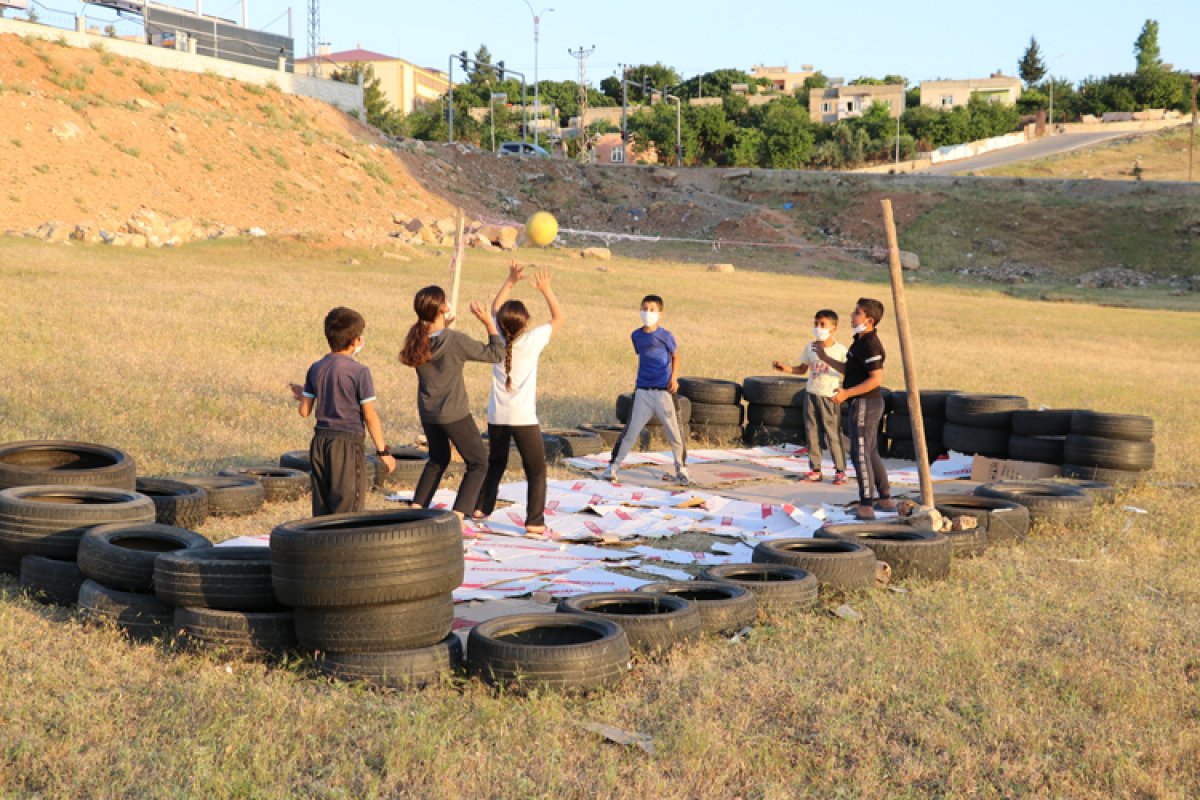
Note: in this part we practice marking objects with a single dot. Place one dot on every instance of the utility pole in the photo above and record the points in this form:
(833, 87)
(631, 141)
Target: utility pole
(624, 114)
(582, 55)
(678, 130)
(314, 33)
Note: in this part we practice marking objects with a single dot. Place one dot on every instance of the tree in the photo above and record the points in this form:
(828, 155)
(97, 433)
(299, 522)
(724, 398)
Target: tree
(713, 130)
(815, 81)
(1032, 67)
(1145, 47)
(787, 135)
(483, 74)
(658, 76)
(380, 112)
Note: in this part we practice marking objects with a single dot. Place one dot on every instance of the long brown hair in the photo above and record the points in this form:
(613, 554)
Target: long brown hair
(418, 346)
(511, 319)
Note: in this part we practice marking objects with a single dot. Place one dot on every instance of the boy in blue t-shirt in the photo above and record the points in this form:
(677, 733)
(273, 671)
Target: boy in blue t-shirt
(657, 382)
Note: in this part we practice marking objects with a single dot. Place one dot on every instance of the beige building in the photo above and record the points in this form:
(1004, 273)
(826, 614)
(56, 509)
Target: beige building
(781, 78)
(405, 85)
(847, 102)
(999, 88)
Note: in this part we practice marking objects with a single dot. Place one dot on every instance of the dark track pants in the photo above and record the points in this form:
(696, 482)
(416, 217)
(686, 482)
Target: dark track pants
(865, 413)
(464, 435)
(339, 472)
(532, 450)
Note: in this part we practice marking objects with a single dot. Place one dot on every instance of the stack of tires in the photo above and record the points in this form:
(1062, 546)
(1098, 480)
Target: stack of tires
(1114, 448)
(1039, 435)
(775, 414)
(224, 601)
(371, 592)
(657, 438)
(899, 430)
(230, 496)
(177, 504)
(717, 413)
(118, 561)
(980, 424)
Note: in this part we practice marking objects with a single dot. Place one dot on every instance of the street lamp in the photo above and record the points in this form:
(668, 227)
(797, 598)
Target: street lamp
(537, 106)
(678, 132)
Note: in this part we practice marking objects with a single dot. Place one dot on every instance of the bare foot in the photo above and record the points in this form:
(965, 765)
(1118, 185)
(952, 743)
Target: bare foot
(535, 529)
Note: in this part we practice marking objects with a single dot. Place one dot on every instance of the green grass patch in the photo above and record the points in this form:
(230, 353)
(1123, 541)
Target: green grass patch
(152, 88)
(129, 150)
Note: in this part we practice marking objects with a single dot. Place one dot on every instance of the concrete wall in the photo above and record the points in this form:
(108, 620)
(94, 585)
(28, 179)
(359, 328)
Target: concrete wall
(345, 96)
(1118, 127)
(958, 152)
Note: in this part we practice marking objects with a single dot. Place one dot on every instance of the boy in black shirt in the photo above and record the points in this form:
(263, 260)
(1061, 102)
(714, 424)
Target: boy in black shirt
(864, 376)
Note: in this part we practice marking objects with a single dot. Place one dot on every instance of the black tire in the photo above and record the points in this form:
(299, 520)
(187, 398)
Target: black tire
(907, 450)
(1130, 427)
(48, 580)
(1047, 422)
(248, 634)
(766, 435)
(933, 403)
(1056, 504)
(984, 410)
(842, 565)
(910, 552)
(376, 629)
(653, 622)
(576, 443)
(229, 497)
(1113, 476)
(776, 416)
(366, 558)
(567, 652)
(141, 616)
(410, 463)
(716, 434)
(705, 414)
(1093, 451)
(1003, 521)
(1100, 491)
(403, 669)
(1042, 449)
(280, 484)
(683, 410)
(50, 520)
(967, 544)
(775, 390)
(53, 463)
(10, 561)
(180, 505)
(992, 442)
(711, 390)
(778, 587)
(724, 608)
(222, 578)
(122, 555)
(296, 459)
(899, 426)
(612, 433)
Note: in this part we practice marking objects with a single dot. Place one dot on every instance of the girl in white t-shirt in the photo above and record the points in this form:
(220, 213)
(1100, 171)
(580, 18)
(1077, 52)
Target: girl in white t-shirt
(512, 409)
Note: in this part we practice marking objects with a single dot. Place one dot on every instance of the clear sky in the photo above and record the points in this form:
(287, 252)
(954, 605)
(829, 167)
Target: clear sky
(920, 40)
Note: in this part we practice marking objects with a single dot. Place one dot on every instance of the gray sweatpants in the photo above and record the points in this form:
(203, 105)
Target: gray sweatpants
(822, 414)
(649, 403)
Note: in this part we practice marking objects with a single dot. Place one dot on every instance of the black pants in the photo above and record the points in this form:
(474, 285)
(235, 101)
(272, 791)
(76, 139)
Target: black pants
(533, 460)
(464, 435)
(865, 413)
(339, 472)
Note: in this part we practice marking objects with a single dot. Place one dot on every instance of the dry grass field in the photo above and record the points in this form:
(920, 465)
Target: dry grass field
(1159, 157)
(1066, 667)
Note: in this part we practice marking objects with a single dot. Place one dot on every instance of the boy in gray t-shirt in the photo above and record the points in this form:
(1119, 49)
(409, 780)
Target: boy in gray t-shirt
(341, 392)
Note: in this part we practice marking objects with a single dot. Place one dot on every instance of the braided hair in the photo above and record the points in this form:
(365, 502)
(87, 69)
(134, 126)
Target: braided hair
(511, 319)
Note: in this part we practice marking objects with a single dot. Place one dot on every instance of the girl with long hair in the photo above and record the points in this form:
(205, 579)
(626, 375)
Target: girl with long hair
(438, 354)
(512, 409)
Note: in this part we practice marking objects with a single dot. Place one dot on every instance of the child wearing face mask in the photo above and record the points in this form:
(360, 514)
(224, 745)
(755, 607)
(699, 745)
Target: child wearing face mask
(342, 393)
(438, 354)
(824, 361)
(657, 383)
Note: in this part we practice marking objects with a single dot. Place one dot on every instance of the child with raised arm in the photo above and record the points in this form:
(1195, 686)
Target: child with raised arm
(438, 354)
(512, 409)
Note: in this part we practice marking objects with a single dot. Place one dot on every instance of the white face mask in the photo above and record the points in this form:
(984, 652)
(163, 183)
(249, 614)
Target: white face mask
(649, 318)
(860, 328)
(820, 334)
(358, 349)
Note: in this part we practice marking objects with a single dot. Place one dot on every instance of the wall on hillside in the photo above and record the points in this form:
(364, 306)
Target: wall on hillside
(346, 96)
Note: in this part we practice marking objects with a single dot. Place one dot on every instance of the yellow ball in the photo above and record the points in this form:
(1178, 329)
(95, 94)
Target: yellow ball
(542, 228)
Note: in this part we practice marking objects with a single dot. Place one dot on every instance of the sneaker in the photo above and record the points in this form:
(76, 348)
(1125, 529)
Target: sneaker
(812, 476)
(864, 512)
(885, 504)
(682, 477)
(609, 475)
(839, 478)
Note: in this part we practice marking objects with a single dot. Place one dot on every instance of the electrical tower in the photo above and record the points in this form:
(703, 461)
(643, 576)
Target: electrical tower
(581, 55)
(314, 32)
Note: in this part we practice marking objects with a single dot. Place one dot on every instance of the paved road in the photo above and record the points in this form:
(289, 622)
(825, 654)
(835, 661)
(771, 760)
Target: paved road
(1048, 146)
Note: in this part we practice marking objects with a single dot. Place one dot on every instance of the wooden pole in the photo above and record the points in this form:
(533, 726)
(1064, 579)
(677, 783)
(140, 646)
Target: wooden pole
(900, 308)
(456, 262)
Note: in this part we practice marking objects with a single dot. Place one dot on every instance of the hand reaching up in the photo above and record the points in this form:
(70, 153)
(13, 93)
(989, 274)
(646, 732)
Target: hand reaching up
(481, 313)
(541, 280)
(515, 272)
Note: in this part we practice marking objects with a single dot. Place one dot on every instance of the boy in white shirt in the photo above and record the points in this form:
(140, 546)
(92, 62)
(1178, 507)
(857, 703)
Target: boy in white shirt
(824, 361)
